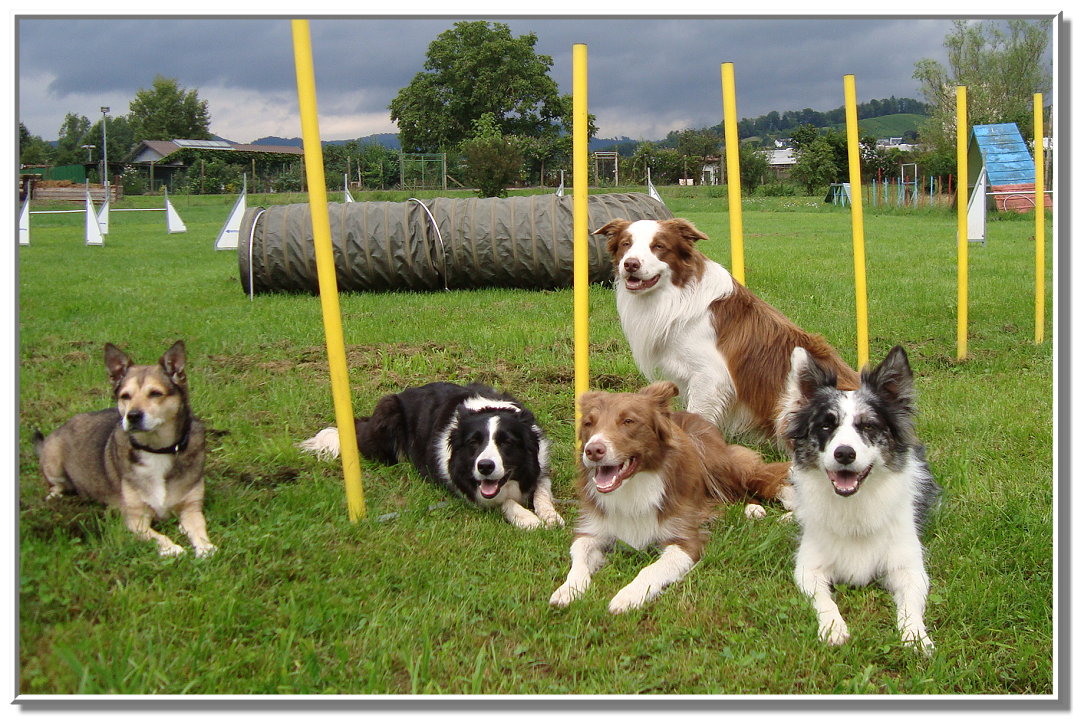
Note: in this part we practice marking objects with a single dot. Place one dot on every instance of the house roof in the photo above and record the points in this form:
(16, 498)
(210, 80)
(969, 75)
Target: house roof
(153, 151)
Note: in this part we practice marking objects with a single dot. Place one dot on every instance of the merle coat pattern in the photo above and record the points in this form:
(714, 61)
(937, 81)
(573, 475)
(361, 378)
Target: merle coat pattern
(862, 489)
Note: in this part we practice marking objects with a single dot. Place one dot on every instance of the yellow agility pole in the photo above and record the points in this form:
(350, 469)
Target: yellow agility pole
(326, 270)
(859, 262)
(735, 187)
(580, 228)
(963, 223)
(1039, 218)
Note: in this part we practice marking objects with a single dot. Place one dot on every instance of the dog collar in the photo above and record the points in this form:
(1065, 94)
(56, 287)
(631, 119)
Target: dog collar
(175, 448)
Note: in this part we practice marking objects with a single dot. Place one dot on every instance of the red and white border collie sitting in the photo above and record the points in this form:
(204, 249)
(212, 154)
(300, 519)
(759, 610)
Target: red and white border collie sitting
(651, 476)
(689, 321)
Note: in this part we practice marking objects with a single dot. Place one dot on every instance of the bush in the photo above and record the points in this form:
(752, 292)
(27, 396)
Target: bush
(492, 161)
(776, 189)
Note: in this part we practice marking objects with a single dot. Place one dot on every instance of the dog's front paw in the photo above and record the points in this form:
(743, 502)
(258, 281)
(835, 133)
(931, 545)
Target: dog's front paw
(629, 598)
(833, 632)
(526, 520)
(205, 551)
(919, 640)
(552, 519)
(565, 595)
(754, 511)
(170, 550)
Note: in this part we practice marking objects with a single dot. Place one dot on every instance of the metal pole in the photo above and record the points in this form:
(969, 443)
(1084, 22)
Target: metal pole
(326, 270)
(859, 262)
(735, 187)
(580, 229)
(105, 160)
(963, 217)
(1039, 218)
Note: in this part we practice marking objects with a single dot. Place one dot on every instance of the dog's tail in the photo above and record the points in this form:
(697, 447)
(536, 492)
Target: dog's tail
(324, 444)
(766, 483)
(38, 439)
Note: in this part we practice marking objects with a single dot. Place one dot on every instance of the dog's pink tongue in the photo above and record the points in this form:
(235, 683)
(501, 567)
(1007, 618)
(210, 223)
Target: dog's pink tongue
(640, 284)
(489, 488)
(606, 477)
(845, 483)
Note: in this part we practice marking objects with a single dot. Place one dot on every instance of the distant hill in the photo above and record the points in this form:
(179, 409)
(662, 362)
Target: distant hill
(893, 125)
(391, 141)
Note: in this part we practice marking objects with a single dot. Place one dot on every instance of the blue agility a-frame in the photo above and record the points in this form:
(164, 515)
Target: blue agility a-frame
(1000, 161)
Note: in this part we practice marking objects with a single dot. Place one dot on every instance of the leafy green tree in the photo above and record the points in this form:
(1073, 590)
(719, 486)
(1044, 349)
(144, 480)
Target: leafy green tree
(120, 138)
(72, 135)
(753, 167)
(816, 165)
(1001, 66)
(492, 161)
(474, 68)
(167, 111)
(32, 149)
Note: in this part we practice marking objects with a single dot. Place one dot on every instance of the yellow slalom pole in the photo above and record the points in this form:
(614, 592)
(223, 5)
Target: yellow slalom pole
(735, 188)
(963, 223)
(859, 262)
(1039, 218)
(326, 271)
(580, 228)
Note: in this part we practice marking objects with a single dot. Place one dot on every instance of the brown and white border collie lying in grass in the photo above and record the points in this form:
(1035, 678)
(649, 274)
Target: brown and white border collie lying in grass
(651, 476)
(689, 321)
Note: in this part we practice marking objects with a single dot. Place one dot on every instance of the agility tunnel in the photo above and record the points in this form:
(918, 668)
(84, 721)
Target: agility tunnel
(435, 244)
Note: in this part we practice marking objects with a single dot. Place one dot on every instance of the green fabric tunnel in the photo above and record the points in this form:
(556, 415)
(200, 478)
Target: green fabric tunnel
(435, 244)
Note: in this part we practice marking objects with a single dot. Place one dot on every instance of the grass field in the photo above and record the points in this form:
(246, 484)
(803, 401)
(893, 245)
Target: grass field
(450, 600)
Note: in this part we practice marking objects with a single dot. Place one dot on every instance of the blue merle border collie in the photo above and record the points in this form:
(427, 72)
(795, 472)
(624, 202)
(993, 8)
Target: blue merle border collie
(862, 489)
(480, 444)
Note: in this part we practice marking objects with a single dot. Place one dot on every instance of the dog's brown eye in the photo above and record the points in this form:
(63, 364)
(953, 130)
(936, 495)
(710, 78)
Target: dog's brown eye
(155, 394)
(125, 396)
(628, 421)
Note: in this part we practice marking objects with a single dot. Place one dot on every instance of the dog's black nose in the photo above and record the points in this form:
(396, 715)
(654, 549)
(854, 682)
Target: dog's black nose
(632, 265)
(845, 454)
(134, 417)
(485, 466)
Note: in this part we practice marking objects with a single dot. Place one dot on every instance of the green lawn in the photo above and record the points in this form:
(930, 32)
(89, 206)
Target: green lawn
(451, 600)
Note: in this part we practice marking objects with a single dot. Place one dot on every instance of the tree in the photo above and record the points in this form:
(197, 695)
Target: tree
(120, 138)
(70, 139)
(167, 111)
(816, 164)
(492, 161)
(472, 69)
(753, 167)
(32, 149)
(999, 64)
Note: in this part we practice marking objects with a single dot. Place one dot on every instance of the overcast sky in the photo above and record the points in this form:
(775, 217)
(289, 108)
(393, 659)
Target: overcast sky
(647, 76)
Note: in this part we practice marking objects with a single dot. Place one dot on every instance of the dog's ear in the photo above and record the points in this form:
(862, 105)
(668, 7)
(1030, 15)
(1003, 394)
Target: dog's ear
(588, 401)
(173, 363)
(661, 393)
(117, 364)
(685, 229)
(612, 228)
(892, 379)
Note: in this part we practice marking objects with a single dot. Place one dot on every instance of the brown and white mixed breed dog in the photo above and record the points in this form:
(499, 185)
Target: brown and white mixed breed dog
(145, 456)
(689, 321)
(651, 476)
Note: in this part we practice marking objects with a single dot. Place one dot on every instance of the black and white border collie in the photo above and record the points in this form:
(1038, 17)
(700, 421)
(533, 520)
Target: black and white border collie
(690, 322)
(476, 442)
(862, 490)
